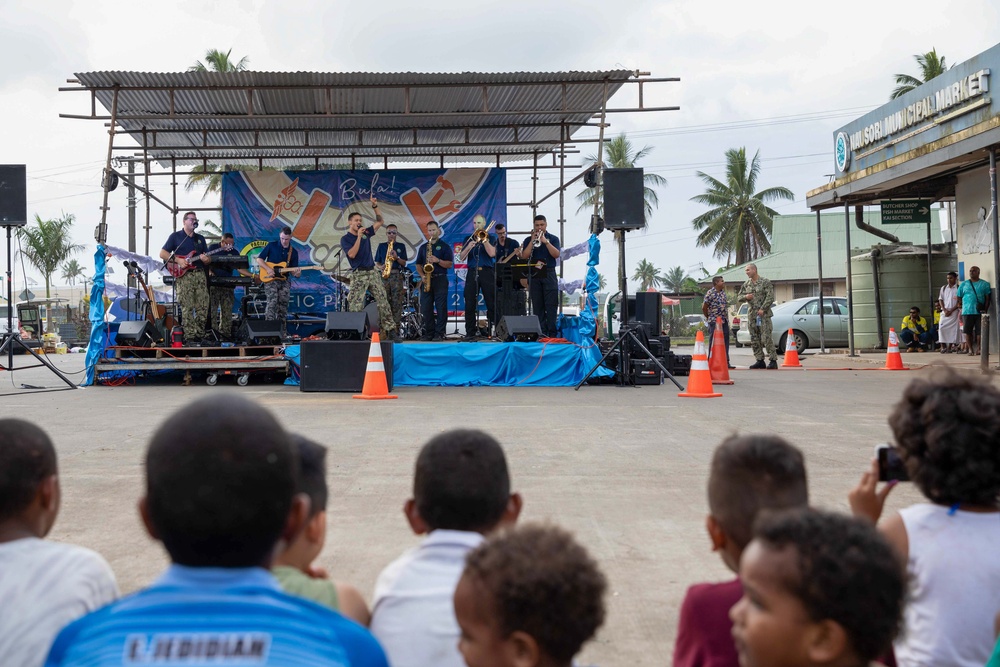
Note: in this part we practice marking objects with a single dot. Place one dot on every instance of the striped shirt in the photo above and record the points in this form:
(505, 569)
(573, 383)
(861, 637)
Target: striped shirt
(43, 586)
(216, 616)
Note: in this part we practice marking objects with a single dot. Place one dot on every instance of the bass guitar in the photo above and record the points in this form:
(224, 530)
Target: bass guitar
(175, 269)
(280, 269)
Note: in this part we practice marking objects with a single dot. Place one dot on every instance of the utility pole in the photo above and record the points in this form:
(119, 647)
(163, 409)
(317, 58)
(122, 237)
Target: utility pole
(131, 213)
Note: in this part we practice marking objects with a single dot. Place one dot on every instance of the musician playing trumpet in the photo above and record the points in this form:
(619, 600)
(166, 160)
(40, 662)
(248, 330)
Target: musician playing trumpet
(542, 249)
(440, 257)
(480, 252)
(186, 249)
(278, 292)
(393, 254)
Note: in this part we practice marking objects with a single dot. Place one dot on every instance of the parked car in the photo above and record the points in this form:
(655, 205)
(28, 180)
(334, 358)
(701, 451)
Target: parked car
(734, 325)
(696, 322)
(802, 317)
(5, 312)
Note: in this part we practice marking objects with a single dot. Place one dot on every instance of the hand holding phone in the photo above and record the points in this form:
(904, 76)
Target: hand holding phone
(890, 466)
(866, 499)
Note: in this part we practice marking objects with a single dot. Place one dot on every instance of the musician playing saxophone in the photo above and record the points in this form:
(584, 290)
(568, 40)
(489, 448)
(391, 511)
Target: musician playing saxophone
(279, 291)
(542, 249)
(480, 251)
(441, 258)
(192, 287)
(356, 244)
(396, 258)
(221, 298)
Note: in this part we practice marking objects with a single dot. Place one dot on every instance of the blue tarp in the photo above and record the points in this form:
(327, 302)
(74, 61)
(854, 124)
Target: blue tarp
(98, 339)
(588, 317)
(494, 365)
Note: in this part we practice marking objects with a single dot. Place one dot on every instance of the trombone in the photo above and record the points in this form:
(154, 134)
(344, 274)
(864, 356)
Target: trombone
(480, 235)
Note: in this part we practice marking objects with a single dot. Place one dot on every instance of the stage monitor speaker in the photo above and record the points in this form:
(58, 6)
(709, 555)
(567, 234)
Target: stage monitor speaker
(13, 200)
(649, 309)
(624, 203)
(339, 365)
(520, 328)
(260, 332)
(347, 326)
(136, 333)
(374, 321)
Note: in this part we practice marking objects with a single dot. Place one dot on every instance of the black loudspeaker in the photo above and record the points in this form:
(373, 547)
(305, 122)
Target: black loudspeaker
(649, 309)
(338, 365)
(136, 333)
(624, 204)
(520, 328)
(374, 321)
(260, 332)
(13, 201)
(347, 326)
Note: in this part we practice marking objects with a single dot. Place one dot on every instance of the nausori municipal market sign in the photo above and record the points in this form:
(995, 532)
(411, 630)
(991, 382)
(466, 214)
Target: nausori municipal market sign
(952, 102)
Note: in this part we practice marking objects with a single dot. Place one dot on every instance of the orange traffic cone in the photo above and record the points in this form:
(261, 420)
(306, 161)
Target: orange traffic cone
(893, 360)
(375, 386)
(700, 380)
(718, 363)
(791, 352)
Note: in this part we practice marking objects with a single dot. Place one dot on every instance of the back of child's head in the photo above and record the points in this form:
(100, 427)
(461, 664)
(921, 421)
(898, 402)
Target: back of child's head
(846, 572)
(27, 458)
(220, 478)
(538, 580)
(461, 481)
(750, 474)
(946, 430)
(312, 473)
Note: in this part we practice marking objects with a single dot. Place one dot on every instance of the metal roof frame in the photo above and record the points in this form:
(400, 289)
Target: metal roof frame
(204, 120)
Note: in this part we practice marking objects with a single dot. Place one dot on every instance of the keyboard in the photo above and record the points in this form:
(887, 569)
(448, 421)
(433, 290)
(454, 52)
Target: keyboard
(229, 281)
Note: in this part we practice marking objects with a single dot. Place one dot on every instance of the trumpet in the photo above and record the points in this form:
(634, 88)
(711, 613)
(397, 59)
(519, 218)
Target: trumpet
(538, 240)
(481, 235)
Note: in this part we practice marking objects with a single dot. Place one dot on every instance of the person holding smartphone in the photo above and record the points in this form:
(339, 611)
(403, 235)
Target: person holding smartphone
(946, 432)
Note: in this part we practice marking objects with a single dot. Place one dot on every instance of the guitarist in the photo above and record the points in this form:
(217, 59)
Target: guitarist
(192, 287)
(279, 291)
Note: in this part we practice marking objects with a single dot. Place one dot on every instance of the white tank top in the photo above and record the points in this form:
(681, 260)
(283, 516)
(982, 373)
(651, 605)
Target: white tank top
(954, 568)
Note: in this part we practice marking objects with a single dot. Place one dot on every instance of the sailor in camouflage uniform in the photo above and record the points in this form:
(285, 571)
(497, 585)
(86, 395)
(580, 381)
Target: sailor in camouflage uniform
(759, 293)
(192, 287)
(394, 285)
(356, 244)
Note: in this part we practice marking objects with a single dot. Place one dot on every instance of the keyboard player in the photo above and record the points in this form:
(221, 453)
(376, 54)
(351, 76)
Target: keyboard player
(221, 292)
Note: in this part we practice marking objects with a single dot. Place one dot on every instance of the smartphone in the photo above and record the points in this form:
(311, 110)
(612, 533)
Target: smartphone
(890, 466)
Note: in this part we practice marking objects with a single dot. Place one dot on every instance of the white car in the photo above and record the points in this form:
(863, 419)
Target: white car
(802, 317)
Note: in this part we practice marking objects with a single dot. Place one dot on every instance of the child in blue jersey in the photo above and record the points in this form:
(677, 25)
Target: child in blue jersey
(220, 496)
(293, 566)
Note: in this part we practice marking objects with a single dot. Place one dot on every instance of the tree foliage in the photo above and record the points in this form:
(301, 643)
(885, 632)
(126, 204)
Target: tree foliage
(46, 245)
(739, 224)
(647, 275)
(931, 65)
(217, 61)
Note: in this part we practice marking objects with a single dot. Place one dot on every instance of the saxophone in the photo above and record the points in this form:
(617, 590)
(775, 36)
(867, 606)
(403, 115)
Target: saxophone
(427, 270)
(390, 257)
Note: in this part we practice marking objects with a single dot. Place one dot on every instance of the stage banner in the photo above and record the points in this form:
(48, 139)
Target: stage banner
(316, 205)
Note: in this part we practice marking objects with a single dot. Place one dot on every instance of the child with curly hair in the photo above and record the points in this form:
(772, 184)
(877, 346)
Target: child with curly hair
(947, 432)
(528, 597)
(818, 589)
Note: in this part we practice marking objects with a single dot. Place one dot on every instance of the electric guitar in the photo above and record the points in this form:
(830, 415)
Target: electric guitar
(176, 271)
(280, 269)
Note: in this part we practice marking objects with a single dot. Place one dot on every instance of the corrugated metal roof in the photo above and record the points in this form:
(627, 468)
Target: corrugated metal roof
(238, 117)
(793, 245)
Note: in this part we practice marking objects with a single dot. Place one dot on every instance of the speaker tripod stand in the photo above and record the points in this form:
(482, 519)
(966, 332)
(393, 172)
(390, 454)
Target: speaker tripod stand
(12, 339)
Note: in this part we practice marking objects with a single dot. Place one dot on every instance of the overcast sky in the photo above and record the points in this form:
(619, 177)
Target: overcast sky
(778, 77)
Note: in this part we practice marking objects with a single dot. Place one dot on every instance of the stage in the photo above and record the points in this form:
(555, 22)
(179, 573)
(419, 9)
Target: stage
(487, 364)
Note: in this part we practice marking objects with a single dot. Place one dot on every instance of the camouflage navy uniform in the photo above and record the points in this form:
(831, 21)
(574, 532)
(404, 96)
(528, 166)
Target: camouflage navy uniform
(363, 280)
(761, 339)
(394, 285)
(192, 293)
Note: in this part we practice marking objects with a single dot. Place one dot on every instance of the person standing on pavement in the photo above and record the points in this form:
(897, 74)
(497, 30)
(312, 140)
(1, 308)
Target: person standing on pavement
(714, 306)
(949, 329)
(759, 293)
(974, 294)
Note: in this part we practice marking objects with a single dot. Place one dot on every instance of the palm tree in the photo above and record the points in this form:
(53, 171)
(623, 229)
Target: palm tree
(602, 282)
(739, 222)
(219, 62)
(675, 280)
(647, 275)
(47, 245)
(620, 154)
(72, 270)
(931, 65)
